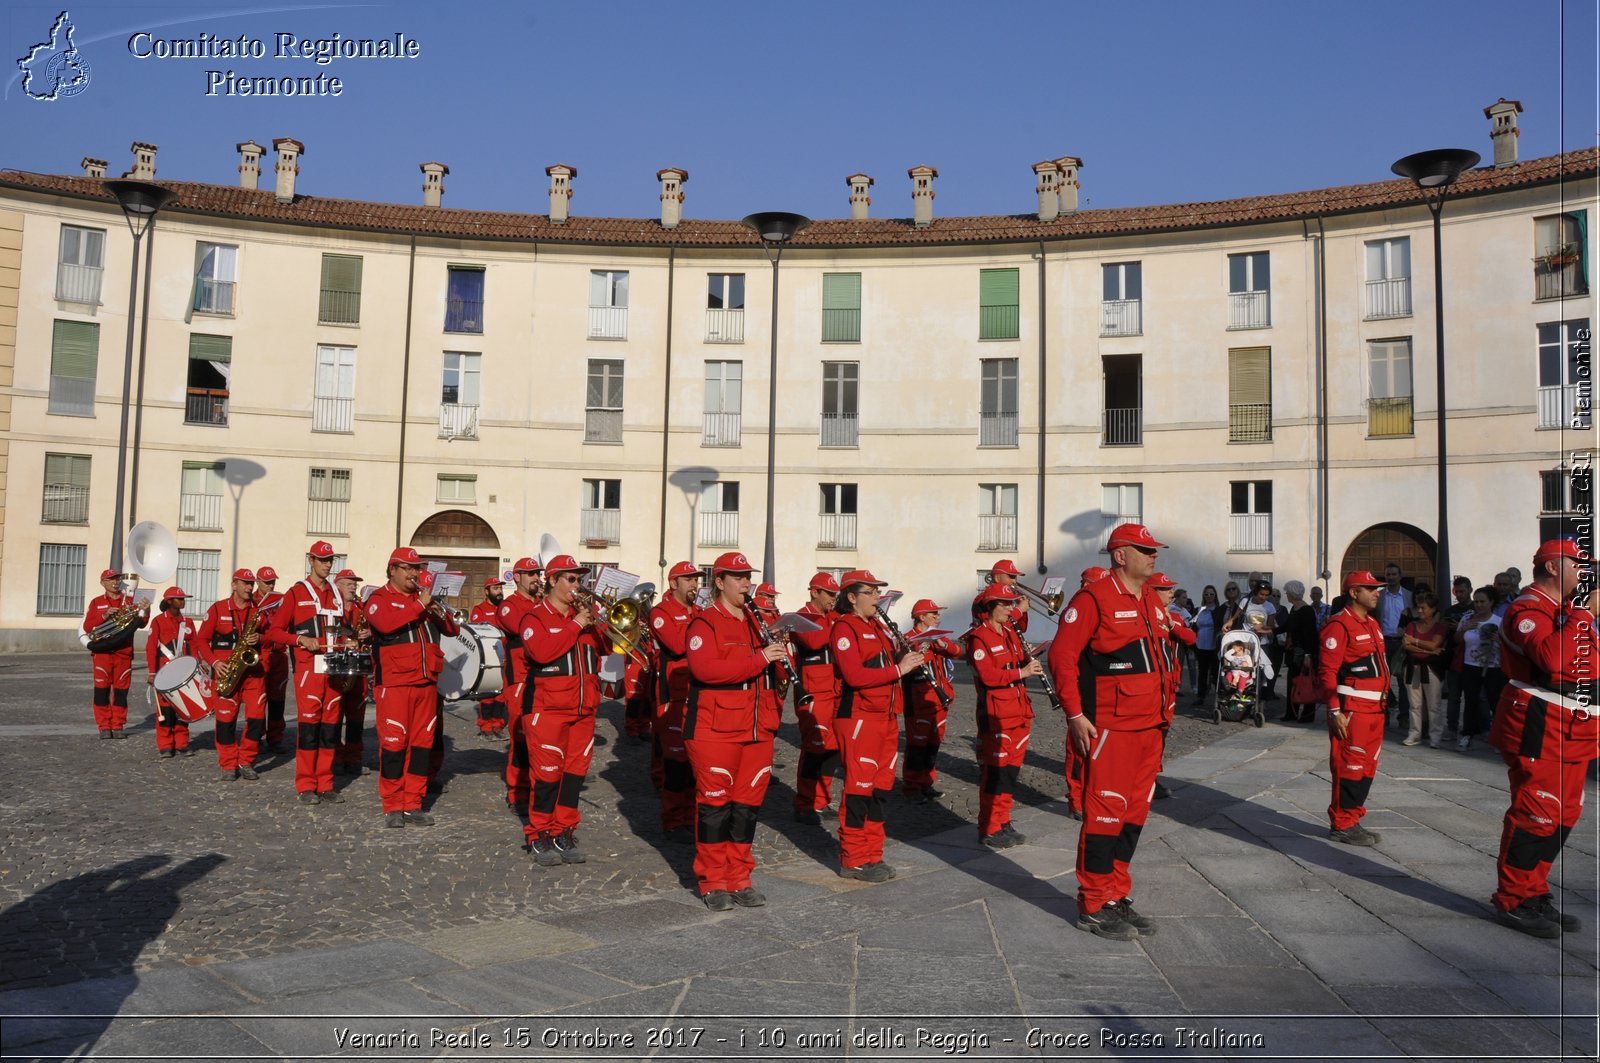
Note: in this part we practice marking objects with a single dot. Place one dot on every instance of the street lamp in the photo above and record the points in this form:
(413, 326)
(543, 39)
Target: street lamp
(774, 228)
(1434, 172)
(140, 202)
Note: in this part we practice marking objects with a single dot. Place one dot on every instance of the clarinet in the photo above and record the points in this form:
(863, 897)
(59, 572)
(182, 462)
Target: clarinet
(791, 677)
(1044, 670)
(927, 666)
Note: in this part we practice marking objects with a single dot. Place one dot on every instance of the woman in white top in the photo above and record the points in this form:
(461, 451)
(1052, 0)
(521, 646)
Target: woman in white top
(1481, 677)
(1205, 642)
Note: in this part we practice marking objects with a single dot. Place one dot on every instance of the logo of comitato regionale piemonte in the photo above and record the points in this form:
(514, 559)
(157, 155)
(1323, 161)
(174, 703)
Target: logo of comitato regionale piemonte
(54, 68)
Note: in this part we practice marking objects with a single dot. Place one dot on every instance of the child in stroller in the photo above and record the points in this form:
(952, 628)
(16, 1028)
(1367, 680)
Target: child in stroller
(1244, 666)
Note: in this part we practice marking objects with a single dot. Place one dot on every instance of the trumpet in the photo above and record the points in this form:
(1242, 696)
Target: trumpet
(1052, 602)
(623, 619)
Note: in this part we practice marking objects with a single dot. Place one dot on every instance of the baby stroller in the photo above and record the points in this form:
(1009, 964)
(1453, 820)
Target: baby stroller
(1242, 666)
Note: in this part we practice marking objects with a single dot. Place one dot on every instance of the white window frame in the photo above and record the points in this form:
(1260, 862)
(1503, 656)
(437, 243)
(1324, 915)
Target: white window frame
(1250, 531)
(60, 579)
(457, 488)
(221, 262)
(199, 572)
(78, 278)
(333, 394)
(1390, 387)
(724, 403)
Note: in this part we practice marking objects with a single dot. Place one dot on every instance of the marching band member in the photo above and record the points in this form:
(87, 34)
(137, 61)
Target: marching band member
(729, 725)
(406, 625)
(348, 754)
(1006, 573)
(563, 646)
(866, 723)
(1072, 763)
(491, 713)
(819, 746)
(1353, 679)
(267, 600)
(1107, 665)
(113, 670)
(526, 575)
(1000, 669)
(638, 695)
(926, 711)
(669, 756)
(1179, 635)
(172, 635)
(766, 601)
(225, 624)
(308, 619)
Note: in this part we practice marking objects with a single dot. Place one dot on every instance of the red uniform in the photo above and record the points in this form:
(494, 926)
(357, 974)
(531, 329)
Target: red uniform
(819, 746)
(491, 713)
(1108, 664)
(867, 727)
(406, 665)
(347, 756)
(1547, 730)
(519, 777)
(669, 756)
(1005, 719)
(560, 695)
(277, 658)
(926, 713)
(729, 724)
(318, 612)
(1353, 676)
(171, 637)
(224, 624)
(638, 692)
(113, 671)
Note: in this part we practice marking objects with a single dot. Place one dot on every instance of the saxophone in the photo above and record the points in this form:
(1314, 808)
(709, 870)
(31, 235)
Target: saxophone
(227, 676)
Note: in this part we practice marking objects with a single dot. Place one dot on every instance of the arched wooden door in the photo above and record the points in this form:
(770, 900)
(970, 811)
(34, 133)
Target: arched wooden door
(465, 543)
(1409, 547)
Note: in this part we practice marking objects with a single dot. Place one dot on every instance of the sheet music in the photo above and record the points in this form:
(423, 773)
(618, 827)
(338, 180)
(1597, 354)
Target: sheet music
(797, 624)
(928, 635)
(437, 567)
(702, 598)
(448, 584)
(888, 598)
(615, 583)
(145, 596)
(1053, 586)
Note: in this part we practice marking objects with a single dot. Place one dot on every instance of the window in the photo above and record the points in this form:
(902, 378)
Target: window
(1124, 400)
(74, 353)
(1250, 517)
(459, 394)
(997, 516)
(841, 308)
(608, 304)
(997, 304)
(1389, 278)
(1250, 395)
(458, 488)
(328, 502)
(200, 497)
(601, 518)
(210, 368)
(603, 402)
(215, 272)
(997, 403)
(724, 381)
(82, 263)
(66, 489)
(341, 290)
(1561, 255)
(1566, 396)
(719, 513)
(1389, 388)
(725, 308)
(1121, 299)
(1120, 504)
(197, 574)
(333, 404)
(463, 302)
(841, 393)
(1566, 502)
(1249, 291)
(838, 512)
(61, 579)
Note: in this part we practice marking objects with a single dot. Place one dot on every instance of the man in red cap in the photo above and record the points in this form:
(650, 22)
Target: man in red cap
(927, 704)
(819, 746)
(406, 623)
(728, 728)
(1109, 668)
(1179, 635)
(227, 622)
(308, 619)
(491, 713)
(113, 664)
(1000, 668)
(564, 647)
(267, 599)
(1353, 679)
(669, 756)
(1005, 573)
(172, 635)
(1547, 731)
(1072, 764)
(527, 577)
(348, 754)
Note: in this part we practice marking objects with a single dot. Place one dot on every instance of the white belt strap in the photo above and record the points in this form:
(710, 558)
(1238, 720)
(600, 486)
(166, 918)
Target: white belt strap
(1550, 696)
(1365, 695)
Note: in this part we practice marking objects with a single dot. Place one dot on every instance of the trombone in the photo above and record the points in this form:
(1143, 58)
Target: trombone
(623, 619)
(1052, 602)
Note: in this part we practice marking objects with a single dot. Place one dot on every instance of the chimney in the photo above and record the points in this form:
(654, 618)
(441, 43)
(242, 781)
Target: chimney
(672, 180)
(433, 183)
(1049, 192)
(289, 152)
(1067, 183)
(560, 191)
(93, 167)
(860, 196)
(922, 195)
(249, 164)
(1503, 131)
(144, 162)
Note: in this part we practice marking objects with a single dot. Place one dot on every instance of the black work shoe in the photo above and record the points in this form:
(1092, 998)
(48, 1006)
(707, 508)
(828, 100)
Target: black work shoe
(116, 732)
(998, 840)
(1527, 918)
(544, 851)
(809, 816)
(394, 819)
(1108, 923)
(166, 753)
(719, 901)
(248, 773)
(749, 897)
(877, 871)
(1016, 836)
(185, 752)
(331, 797)
(308, 797)
(415, 817)
(566, 844)
(1161, 792)
(105, 735)
(1546, 906)
(1143, 924)
(1356, 835)
(228, 775)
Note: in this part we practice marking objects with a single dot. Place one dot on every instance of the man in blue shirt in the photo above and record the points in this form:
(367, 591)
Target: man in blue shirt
(1393, 613)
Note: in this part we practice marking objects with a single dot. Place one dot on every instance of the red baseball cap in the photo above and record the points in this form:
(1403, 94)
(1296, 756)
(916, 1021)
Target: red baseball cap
(861, 575)
(1551, 549)
(1361, 578)
(733, 562)
(925, 605)
(345, 573)
(246, 575)
(173, 592)
(683, 568)
(564, 563)
(405, 555)
(492, 581)
(110, 573)
(1160, 581)
(1132, 535)
(995, 592)
(824, 581)
(767, 590)
(1006, 567)
(528, 564)
(1092, 574)
(321, 550)
(266, 574)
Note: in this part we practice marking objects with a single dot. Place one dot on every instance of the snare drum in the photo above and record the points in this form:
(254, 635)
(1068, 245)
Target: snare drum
(187, 688)
(474, 663)
(347, 668)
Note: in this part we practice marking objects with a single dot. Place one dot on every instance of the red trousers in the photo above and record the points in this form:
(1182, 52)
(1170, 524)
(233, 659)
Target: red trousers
(1074, 771)
(277, 694)
(560, 746)
(671, 759)
(353, 720)
(1353, 762)
(491, 717)
(172, 732)
(819, 751)
(1001, 749)
(519, 779)
(113, 674)
(730, 779)
(869, 745)
(638, 712)
(316, 729)
(1120, 776)
(406, 721)
(1546, 801)
(241, 723)
(925, 723)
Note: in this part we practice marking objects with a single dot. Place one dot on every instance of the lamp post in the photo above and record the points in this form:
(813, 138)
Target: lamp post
(140, 201)
(774, 228)
(1434, 172)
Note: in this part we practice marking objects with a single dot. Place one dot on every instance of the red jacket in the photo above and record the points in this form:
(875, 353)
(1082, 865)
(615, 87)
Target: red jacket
(669, 629)
(509, 619)
(305, 610)
(938, 651)
(1551, 654)
(1178, 634)
(863, 656)
(730, 686)
(164, 643)
(277, 655)
(1108, 659)
(104, 605)
(485, 612)
(997, 660)
(1352, 667)
(814, 657)
(563, 660)
(224, 621)
(405, 639)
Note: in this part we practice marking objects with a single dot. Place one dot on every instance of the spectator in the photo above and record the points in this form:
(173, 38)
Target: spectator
(1230, 606)
(1481, 677)
(1506, 585)
(1300, 645)
(1393, 614)
(1206, 623)
(1319, 607)
(1461, 588)
(1423, 642)
(1260, 617)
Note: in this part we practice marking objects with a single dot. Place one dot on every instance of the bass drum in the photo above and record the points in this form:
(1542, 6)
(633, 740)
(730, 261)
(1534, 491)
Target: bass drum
(474, 663)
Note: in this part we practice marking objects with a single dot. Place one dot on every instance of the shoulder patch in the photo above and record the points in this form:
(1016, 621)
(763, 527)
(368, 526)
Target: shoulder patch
(660, 622)
(505, 610)
(527, 634)
(372, 610)
(978, 654)
(1526, 625)
(695, 642)
(1071, 616)
(843, 643)
(1331, 642)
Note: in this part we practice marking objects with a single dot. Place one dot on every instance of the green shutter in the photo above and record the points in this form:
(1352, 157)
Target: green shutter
(841, 307)
(75, 349)
(66, 469)
(211, 348)
(997, 287)
(341, 273)
(1249, 376)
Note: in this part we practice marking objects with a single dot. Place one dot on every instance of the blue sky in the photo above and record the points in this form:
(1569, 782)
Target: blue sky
(769, 107)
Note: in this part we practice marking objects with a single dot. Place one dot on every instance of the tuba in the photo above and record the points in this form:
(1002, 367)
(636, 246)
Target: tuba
(152, 554)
